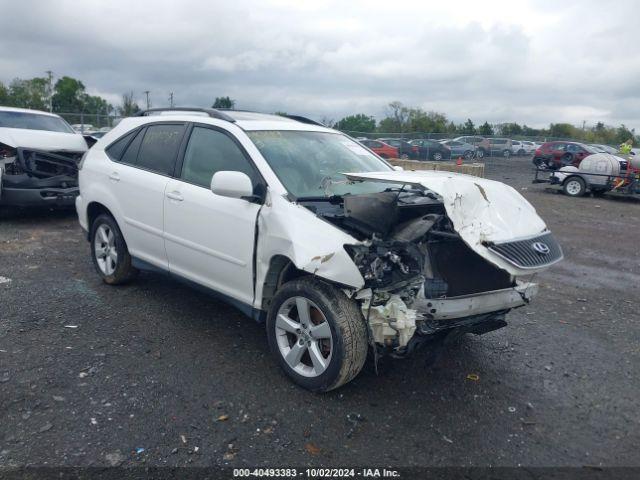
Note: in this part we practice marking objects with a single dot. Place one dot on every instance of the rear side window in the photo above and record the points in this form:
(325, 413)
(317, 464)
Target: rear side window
(210, 151)
(131, 153)
(159, 148)
(116, 149)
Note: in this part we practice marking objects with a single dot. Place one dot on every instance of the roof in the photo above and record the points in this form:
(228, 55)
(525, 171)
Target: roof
(26, 110)
(244, 119)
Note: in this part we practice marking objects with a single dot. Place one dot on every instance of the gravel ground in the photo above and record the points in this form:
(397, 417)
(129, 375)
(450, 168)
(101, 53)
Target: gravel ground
(156, 374)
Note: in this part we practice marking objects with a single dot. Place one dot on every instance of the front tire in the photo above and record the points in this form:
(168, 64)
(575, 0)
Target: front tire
(506, 153)
(437, 156)
(109, 251)
(317, 334)
(480, 153)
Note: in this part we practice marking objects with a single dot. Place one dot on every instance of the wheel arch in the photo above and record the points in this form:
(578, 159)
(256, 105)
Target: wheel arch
(281, 270)
(94, 209)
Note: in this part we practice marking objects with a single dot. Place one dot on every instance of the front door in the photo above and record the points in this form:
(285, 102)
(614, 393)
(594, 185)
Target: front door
(209, 238)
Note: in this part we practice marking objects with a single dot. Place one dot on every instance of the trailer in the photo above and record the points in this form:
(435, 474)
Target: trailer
(599, 173)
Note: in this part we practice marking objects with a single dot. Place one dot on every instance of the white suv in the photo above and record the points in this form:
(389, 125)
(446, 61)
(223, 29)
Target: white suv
(305, 229)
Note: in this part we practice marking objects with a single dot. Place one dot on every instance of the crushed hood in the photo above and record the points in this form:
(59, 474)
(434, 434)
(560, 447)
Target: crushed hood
(42, 140)
(482, 211)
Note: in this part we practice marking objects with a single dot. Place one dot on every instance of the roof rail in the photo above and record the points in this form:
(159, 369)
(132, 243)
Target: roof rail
(304, 120)
(212, 112)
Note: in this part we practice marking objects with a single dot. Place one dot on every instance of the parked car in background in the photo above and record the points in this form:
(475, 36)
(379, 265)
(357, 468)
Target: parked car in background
(604, 148)
(481, 144)
(459, 149)
(405, 149)
(528, 147)
(381, 148)
(260, 210)
(517, 148)
(83, 127)
(558, 154)
(431, 150)
(39, 157)
(500, 147)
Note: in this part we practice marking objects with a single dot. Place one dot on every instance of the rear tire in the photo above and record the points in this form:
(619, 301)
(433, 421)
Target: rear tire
(109, 251)
(343, 345)
(574, 187)
(480, 153)
(437, 156)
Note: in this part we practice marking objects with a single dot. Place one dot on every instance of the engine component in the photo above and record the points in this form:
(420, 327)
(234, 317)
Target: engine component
(392, 323)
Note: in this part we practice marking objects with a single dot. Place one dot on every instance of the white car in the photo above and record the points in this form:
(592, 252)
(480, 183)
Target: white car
(83, 127)
(303, 228)
(39, 157)
(528, 147)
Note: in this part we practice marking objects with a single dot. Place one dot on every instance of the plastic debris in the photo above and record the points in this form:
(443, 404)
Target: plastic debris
(5, 280)
(139, 450)
(183, 438)
(512, 409)
(473, 376)
(312, 448)
(46, 427)
(223, 418)
(447, 439)
(94, 421)
(71, 326)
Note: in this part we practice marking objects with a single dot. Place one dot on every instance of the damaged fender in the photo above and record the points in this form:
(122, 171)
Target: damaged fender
(290, 230)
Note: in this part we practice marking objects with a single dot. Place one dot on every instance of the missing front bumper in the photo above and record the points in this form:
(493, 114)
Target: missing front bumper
(477, 303)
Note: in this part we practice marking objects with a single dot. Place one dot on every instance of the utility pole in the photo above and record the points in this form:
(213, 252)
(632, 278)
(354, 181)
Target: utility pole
(146, 92)
(171, 99)
(50, 89)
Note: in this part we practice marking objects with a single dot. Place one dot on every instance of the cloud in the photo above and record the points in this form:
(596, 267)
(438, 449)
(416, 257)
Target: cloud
(533, 62)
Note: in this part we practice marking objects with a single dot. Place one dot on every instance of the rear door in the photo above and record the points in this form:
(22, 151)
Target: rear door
(138, 180)
(209, 238)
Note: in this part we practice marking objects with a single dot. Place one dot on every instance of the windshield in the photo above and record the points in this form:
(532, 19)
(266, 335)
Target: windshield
(311, 164)
(591, 149)
(34, 121)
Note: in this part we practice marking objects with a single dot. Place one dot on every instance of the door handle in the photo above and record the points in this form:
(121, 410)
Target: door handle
(175, 196)
(114, 176)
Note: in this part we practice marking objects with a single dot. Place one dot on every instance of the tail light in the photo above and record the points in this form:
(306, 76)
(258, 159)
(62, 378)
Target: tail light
(7, 152)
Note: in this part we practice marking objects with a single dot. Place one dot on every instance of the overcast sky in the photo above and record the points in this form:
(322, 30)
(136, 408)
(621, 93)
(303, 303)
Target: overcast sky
(533, 62)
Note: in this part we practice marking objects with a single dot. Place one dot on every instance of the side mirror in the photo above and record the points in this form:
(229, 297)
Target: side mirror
(231, 184)
(398, 169)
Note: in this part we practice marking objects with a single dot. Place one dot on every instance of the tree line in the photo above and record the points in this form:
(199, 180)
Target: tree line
(406, 121)
(68, 95)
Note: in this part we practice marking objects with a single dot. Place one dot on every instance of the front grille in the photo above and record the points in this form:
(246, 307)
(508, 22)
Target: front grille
(530, 253)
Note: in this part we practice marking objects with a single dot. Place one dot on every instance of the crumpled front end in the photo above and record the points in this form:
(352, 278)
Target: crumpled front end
(436, 257)
(32, 177)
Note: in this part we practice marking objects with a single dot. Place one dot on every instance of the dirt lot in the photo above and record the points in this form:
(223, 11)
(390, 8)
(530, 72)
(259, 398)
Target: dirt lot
(158, 374)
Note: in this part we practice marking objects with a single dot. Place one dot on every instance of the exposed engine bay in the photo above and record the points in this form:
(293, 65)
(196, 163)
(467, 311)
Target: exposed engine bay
(29, 174)
(415, 264)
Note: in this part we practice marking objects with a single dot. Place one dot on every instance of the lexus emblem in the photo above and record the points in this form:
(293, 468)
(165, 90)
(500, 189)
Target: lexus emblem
(541, 248)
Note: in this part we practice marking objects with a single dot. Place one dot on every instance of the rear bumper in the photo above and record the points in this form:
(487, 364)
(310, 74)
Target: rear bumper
(477, 303)
(33, 197)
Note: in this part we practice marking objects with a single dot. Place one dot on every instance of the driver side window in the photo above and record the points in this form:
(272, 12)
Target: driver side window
(210, 151)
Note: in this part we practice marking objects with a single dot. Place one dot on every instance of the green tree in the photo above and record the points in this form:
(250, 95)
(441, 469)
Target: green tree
(623, 134)
(69, 95)
(563, 130)
(129, 106)
(510, 129)
(357, 123)
(485, 129)
(468, 127)
(29, 93)
(4, 95)
(224, 102)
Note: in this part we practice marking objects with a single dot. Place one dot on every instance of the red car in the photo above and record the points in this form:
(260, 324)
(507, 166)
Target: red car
(381, 148)
(554, 155)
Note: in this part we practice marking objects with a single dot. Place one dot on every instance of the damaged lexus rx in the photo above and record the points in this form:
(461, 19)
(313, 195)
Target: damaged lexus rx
(39, 157)
(306, 230)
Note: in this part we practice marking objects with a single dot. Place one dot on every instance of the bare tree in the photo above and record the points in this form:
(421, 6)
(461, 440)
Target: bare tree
(129, 106)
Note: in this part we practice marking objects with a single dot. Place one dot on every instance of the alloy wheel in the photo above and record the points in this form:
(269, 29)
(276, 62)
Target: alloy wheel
(304, 337)
(106, 253)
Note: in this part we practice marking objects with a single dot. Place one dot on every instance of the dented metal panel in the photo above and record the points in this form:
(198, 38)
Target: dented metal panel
(482, 211)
